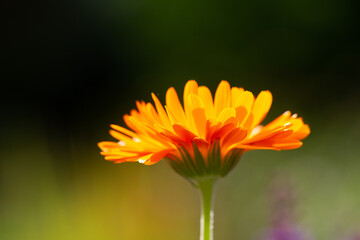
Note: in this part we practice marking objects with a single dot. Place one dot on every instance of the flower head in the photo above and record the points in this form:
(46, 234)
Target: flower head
(205, 136)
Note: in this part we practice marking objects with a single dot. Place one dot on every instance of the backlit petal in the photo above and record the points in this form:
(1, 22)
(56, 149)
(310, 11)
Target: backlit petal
(174, 105)
(206, 98)
(222, 97)
(261, 107)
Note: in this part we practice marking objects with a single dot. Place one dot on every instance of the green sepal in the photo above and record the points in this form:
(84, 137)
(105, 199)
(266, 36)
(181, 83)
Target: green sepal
(194, 167)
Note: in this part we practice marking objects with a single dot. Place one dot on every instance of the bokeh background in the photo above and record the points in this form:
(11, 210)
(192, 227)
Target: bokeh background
(71, 68)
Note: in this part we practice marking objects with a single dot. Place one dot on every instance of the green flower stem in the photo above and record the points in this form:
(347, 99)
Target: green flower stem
(207, 187)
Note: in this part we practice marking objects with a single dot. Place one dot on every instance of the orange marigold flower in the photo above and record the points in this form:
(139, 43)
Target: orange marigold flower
(205, 136)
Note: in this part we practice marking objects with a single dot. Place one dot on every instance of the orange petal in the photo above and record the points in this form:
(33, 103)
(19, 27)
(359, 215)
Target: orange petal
(221, 132)
(174, 138)
(161, 111)
(225, 114)
(222, 97)
(129, 123)
(262, 135)
(120, 136)
(248, 122)
(190, 87)
(261, 107)
(123, 130)
(201, 143)
(279, 121)
(243, 106)
(235, 94)
(288, 144)
(296, 124)
(153, 116)
(171, 116)
(140, 126)
(106, 145)
(156, 157)
(183, 133)
(234, 136)
(174, 105)
(120, 158)
(283, 134)
(211, 127)
(281, 144)
(197, 118)
(251, 147)
(301, 133)
(117, 159)
(206, 98)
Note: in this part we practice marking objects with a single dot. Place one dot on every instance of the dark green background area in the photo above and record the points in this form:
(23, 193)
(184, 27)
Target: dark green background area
(71, 68)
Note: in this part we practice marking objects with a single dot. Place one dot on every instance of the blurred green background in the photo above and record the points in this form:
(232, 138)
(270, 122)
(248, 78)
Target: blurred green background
(71, 68)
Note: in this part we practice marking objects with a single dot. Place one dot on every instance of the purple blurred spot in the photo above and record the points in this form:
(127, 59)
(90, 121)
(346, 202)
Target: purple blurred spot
(286, 233)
